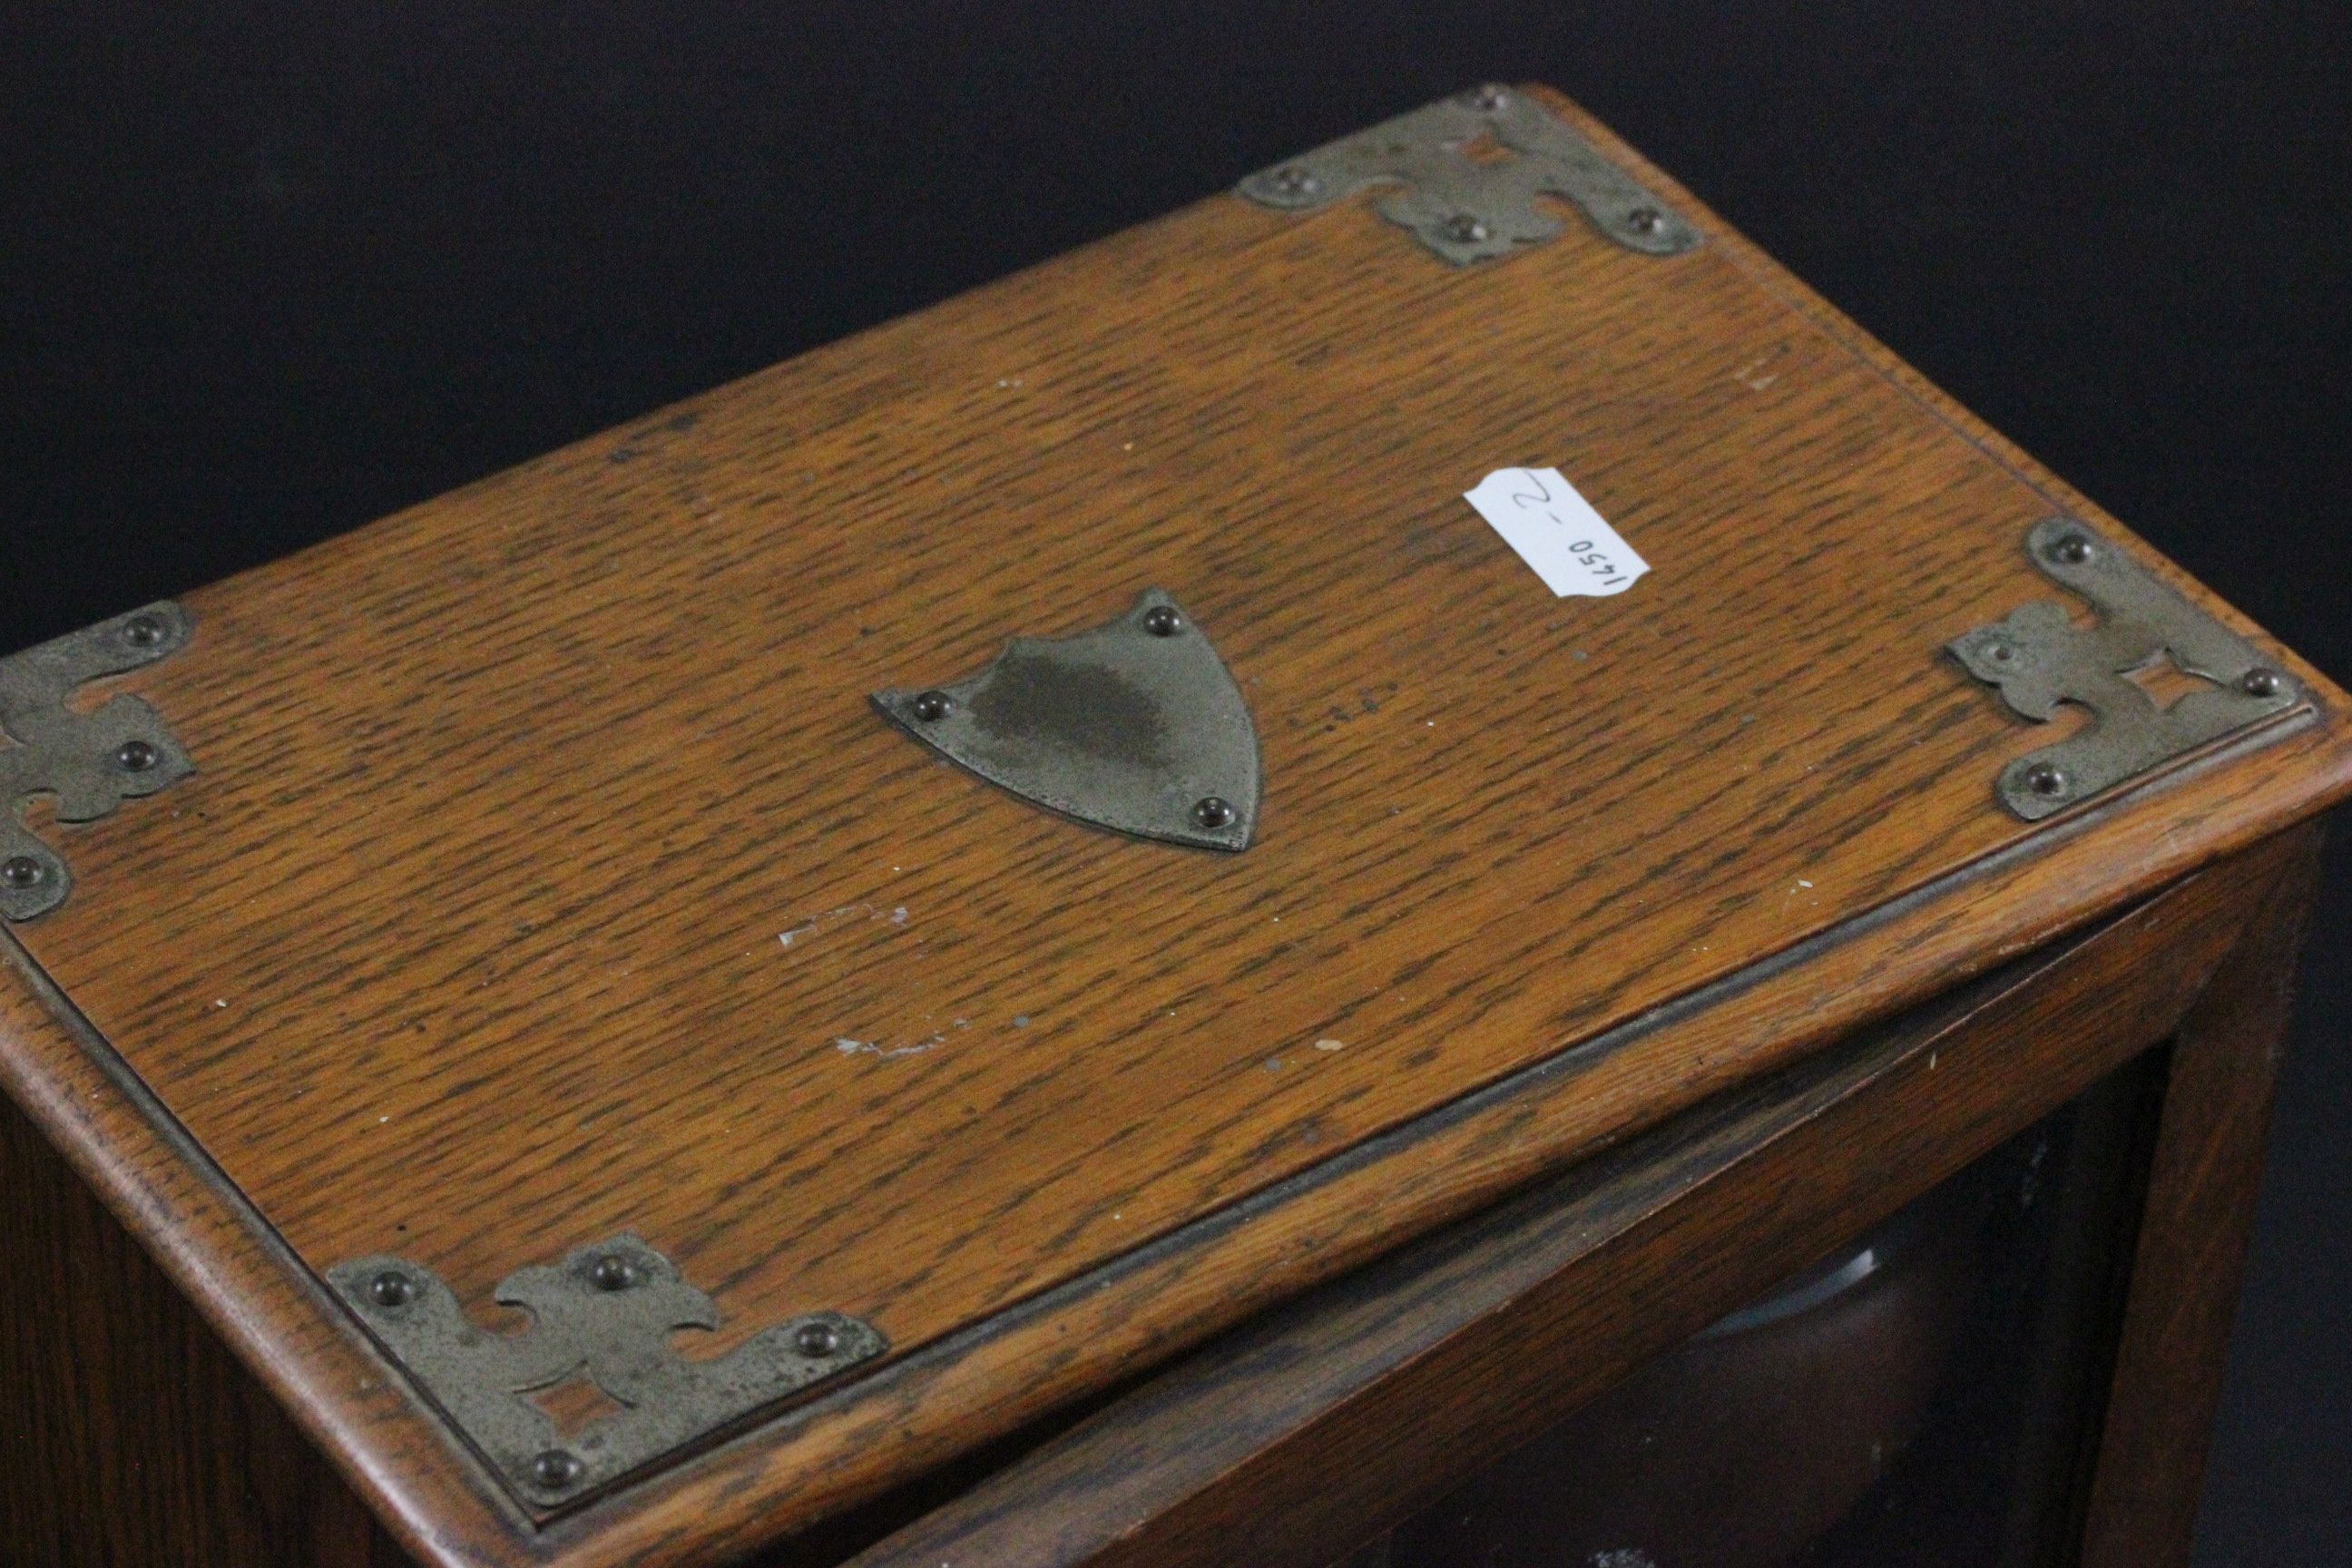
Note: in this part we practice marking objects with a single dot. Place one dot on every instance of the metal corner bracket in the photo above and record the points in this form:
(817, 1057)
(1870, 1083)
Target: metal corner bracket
(2040, 658)
(606, 1315)
(1468, 208)
(89, 762)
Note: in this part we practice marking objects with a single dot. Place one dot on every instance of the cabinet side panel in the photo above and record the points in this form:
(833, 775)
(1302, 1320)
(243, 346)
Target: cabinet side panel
(2191, 1250)
(130, 1437)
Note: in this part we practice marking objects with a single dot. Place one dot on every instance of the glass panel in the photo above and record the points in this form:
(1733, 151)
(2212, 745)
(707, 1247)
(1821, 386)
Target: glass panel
(1917, 1399)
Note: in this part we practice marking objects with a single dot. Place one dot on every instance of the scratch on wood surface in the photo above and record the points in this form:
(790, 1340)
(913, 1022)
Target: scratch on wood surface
(816, 925)
(848, 1046)
(1747, 376)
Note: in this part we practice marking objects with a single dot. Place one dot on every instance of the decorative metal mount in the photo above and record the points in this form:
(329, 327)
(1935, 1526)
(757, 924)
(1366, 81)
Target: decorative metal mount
(1136, 726)
(91, 762)
(605, 1314)
(1465, 207)
(2040, 658)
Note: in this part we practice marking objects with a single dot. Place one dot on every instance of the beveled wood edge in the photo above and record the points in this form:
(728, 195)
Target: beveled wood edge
(275, 1315)
(122, 1403)
(247, 1283)
(996, 1376)
(1291, 1421)
(948, 1398)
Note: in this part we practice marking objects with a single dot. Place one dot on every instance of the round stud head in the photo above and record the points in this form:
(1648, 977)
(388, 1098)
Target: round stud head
(142, 631)
(392, 1288)
(1645, 220)
(2072, 550)
(612, 1272)
(555, 1468)
(1162, 621)
(21, 871)
(817, 1341)
(1212, 812)
(1463, 228)
(136, 756)
(2261, 683)
(2048, 780)
(931, 706)
(1488, 98)
(1296, 182)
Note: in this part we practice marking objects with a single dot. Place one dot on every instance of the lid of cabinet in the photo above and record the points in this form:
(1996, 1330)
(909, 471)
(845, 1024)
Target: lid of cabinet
(1487, 660)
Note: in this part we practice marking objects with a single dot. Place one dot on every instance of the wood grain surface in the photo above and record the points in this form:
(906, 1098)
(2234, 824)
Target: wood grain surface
(464, 943)
(1288, 1441)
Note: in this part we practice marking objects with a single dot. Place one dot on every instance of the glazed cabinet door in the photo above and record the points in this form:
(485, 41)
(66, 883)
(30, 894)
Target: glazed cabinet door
(1922, 1397)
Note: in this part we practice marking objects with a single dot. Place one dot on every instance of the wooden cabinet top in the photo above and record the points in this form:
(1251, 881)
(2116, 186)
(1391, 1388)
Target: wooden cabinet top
(546, 876)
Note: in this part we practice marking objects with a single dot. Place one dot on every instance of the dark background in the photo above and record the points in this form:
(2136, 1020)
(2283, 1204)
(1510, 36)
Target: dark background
(267, 273)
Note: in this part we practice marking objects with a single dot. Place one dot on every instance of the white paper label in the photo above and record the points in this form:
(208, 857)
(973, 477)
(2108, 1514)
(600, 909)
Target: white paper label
(1555, 530)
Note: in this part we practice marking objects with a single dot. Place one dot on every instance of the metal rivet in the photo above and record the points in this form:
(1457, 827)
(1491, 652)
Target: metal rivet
(1213, 811)
(142, 631)
(1645, 220)
(2047, 779)
(392, 1288)
(612, 1272)
(2000, 652)
(817, 1340)
(1489, 98)
(2261, 683)
(2072, 550)
(136, 756)
(931, 706)
(1296, 182)
(1463, 228)
(555, 1469)
(1162, 621)
(21, 871)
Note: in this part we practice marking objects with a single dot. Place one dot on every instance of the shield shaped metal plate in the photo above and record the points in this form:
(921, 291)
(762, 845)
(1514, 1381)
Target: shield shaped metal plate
(1136, 727)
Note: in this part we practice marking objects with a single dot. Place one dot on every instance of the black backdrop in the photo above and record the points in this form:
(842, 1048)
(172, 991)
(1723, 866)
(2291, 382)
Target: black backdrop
(266, 272)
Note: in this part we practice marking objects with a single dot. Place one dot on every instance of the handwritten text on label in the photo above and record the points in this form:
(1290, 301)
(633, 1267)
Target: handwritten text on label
(1555, 530)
